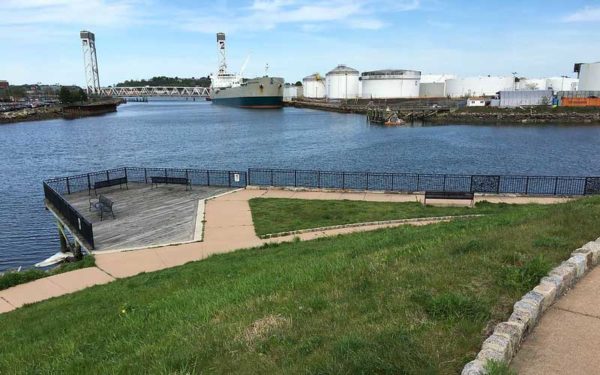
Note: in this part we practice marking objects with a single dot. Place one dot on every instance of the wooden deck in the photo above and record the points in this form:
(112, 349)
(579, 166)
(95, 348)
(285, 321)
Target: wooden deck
(144, 216)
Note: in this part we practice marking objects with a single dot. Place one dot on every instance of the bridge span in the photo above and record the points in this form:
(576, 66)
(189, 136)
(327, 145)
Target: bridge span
(168, 91)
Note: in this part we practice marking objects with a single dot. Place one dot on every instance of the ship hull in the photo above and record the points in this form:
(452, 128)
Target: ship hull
(262, 93)
(264, 102)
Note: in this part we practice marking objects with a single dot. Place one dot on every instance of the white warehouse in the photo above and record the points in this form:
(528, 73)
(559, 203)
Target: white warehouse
(390, 83)
(434, 85)
(342, 83)
(313, 86)
(478, 86)
(589, 76)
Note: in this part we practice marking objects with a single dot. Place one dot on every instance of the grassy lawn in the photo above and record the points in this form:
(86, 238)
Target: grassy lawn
(408, 300)
(276, 215)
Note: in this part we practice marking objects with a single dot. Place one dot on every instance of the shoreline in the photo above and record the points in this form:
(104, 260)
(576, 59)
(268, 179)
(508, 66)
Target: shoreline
(67, 112)
(446, 111)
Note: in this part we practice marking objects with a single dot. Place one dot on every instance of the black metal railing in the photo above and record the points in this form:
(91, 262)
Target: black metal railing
(55, 188)
(71, 215)
(407, 182)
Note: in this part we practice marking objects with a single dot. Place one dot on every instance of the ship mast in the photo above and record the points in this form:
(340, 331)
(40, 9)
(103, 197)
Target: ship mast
(221, 52)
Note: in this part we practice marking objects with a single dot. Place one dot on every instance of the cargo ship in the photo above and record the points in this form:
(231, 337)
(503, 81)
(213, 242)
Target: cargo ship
(232, 90)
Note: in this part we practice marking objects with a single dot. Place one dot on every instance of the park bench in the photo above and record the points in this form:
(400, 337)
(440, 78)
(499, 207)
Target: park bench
(453, 195)
(171, 180)
(111, 182)
(102, 205)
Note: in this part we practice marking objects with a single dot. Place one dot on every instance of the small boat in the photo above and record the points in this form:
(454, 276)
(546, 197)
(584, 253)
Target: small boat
(54, 259)
(394, 120)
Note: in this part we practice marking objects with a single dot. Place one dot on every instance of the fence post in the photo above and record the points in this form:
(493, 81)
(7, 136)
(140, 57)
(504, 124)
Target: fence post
(107, 176)
(392, 181)
(343, 180)
(418, 182)
(68, 187)
(125, 172)
(555, 185)
(295, 180)
(527, 186)
(229, 177)
(145, 175)
(207, 178)
(89, 184)
(367, 180)
(497, 184)
(319, 179)
(444, 182)
(271, 177)
(471, 184)
(585, 186)
(187, 176)
(166, 175)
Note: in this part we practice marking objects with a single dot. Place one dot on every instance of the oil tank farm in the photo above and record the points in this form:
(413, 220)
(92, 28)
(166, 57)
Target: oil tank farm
(589, 76)
(342, 83)
(390, 83)
(313, 86)
(478, 86)
(562, 84)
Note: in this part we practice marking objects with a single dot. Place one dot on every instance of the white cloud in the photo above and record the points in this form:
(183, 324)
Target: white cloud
(54, 12)
(587, 14)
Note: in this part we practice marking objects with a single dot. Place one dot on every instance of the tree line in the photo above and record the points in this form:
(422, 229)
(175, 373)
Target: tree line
(167, 81)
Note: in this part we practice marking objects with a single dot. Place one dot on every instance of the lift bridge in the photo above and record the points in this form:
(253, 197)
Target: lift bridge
(88, 43)
(165, 91)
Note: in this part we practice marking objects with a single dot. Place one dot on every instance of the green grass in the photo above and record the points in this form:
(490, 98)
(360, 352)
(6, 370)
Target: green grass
(406, 300)
(12, 278)
(277, 215)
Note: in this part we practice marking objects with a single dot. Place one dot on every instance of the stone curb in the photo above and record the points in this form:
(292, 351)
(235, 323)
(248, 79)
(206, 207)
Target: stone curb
(354, 225)
(504, 343)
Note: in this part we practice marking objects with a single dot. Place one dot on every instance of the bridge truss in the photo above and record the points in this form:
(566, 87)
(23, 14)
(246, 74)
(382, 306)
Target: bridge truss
(170, 91)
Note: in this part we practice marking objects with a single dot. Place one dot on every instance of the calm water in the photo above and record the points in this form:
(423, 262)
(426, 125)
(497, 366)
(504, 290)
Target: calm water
(201, 135)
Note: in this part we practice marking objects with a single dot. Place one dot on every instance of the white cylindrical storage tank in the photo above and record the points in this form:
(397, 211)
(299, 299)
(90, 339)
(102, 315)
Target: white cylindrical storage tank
(589, 77)
(478, 86)
(532, 84)
(342, 83)
(313, 86)
(562, 84)
(390, 83)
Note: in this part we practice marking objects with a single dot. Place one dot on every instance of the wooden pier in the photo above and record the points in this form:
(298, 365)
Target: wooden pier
(145, 216)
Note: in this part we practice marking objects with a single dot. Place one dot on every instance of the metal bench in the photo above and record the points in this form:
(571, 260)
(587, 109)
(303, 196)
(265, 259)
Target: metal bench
(171, 180)
(111, 182)
(102, 205)
(454, 195)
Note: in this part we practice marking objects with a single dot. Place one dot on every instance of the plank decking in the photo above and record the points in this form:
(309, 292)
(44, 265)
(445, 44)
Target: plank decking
(145, 216)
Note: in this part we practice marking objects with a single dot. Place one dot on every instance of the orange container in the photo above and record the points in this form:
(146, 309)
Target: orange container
(580, 102)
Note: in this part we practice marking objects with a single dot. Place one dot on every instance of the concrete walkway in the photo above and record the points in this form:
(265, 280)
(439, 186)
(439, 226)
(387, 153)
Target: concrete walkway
(228, 227)
(567, 339)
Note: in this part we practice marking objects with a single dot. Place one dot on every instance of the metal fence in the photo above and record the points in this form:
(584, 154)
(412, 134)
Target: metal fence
(73, 217)
(405, 182)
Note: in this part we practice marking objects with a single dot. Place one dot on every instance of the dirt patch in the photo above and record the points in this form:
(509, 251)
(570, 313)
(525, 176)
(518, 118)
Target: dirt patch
(262, 328)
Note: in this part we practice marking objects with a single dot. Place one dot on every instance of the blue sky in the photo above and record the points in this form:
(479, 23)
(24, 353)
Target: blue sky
(39, 39)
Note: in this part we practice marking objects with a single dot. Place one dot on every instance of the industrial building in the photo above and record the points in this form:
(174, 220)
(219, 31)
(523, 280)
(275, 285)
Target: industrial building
(314, 86)
(589, 76)
(390, 83)
(342, 83)
(478, 86)
(524, 98)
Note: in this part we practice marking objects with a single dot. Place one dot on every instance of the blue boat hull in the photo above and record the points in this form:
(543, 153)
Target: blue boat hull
(251, 101)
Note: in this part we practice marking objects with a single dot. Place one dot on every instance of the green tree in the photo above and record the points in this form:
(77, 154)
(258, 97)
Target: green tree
(298, 83)
(83, 97)
(65, 95)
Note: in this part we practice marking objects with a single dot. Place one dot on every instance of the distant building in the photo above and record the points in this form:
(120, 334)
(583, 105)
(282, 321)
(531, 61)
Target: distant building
(3, 88)
(525, 98)
(476, 102)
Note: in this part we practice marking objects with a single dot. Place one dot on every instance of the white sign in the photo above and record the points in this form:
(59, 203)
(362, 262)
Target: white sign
(236, 177)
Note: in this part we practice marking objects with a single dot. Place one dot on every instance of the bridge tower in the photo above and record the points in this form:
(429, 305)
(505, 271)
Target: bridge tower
(90, 62)
(221, 50)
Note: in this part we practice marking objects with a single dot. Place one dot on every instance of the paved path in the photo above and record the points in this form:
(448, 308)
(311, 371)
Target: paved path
(567, 339)
(228, 227)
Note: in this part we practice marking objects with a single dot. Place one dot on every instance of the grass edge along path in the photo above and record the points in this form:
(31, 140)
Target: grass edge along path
(404, 300)
(284, 215)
